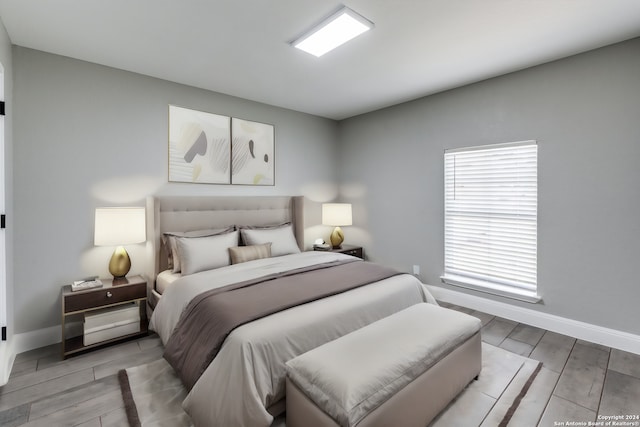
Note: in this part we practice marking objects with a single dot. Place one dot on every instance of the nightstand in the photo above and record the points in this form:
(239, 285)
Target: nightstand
(348, 250)
(76, 304)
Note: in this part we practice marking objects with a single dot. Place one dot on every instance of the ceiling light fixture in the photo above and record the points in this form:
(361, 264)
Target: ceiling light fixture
(334, 31)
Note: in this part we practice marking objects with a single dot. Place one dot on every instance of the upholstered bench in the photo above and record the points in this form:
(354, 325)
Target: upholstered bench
(399, 371)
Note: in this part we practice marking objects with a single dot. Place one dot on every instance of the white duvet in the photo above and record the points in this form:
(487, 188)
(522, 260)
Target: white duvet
(244, 385)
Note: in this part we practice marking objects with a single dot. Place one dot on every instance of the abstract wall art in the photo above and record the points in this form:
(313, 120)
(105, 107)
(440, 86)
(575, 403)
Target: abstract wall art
(252, 153)
(199, 146)
(214, 149)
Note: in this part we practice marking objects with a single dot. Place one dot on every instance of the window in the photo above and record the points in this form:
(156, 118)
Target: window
(490, 230)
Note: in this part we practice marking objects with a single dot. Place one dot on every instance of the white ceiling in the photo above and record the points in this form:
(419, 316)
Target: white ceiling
(241, 47)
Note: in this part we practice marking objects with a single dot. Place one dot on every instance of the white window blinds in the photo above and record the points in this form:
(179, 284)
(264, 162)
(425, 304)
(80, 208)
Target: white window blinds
(491, 199)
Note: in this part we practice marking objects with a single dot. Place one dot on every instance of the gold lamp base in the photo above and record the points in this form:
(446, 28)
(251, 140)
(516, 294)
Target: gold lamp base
(120, 263)
(337, 237)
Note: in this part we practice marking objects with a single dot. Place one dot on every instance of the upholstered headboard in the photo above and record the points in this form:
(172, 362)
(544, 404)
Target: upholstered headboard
(188, 213)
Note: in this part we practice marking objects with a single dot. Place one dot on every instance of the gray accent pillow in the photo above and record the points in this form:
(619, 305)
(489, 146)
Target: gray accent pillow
(249, 253)
(282, 239)
(169, 241)
(259, 227)
(205, 253)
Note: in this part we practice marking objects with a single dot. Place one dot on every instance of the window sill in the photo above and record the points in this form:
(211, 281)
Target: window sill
(493, 289)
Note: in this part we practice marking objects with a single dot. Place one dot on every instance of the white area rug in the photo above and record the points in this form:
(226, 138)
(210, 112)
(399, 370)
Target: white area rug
(153, 393)
(492, 399)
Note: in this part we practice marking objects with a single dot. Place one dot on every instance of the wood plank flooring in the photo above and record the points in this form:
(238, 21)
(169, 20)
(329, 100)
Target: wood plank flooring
(579, 381)
(44, 390)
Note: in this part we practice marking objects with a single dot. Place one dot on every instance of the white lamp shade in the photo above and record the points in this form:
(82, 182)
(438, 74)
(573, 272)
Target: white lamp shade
(336, 214)
(119, 226)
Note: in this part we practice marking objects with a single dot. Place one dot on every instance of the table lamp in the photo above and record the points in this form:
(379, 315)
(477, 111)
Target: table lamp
(336, 214)
(119, 227)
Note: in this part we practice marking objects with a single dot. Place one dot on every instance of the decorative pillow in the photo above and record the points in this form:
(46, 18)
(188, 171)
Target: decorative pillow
(169, 240)
(282, 239)
(205, 253)
(249, 253)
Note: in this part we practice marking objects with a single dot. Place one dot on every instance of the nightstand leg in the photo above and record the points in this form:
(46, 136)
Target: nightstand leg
(63, 330)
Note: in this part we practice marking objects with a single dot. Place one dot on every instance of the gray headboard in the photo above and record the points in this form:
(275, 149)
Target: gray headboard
(187, 213)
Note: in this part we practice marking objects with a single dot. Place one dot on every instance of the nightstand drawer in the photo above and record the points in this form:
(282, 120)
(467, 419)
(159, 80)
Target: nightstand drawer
(348, 250)
(357, 252)
(104, 296)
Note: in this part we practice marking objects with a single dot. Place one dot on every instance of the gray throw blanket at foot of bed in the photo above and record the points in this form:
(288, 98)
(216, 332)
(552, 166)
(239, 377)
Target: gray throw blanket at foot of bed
(212, 315)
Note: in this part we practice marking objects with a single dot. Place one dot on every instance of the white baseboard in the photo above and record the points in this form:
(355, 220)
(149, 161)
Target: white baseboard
(30, 341)
(7, 356)
(20, 343)
(574, 328)
(36, 339)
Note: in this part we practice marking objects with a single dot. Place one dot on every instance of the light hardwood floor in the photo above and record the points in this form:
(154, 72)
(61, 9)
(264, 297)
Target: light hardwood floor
(578, 381)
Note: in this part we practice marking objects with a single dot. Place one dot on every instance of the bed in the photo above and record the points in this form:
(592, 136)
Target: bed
(244, 384)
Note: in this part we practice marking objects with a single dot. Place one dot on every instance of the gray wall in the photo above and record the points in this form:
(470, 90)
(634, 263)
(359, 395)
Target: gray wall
(88, 136)
(7, 63)
(584, 111)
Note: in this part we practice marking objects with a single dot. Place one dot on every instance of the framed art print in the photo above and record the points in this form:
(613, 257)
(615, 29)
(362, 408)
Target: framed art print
(252, 153)
(199, 146)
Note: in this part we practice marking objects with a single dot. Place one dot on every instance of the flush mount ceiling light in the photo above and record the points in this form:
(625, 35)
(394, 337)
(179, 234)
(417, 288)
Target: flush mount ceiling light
(334, 31)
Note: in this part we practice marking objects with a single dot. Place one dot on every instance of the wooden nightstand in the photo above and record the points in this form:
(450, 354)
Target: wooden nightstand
(76, 304)
(349, 250)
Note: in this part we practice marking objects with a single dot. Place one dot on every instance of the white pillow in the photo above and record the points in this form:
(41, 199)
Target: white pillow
(169, 240)
(282, 239)
(205, 253)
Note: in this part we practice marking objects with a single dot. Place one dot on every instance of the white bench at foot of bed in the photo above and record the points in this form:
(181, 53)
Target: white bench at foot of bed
(399, 371)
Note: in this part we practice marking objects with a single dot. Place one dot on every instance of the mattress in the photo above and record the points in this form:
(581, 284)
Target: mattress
(165, 279)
